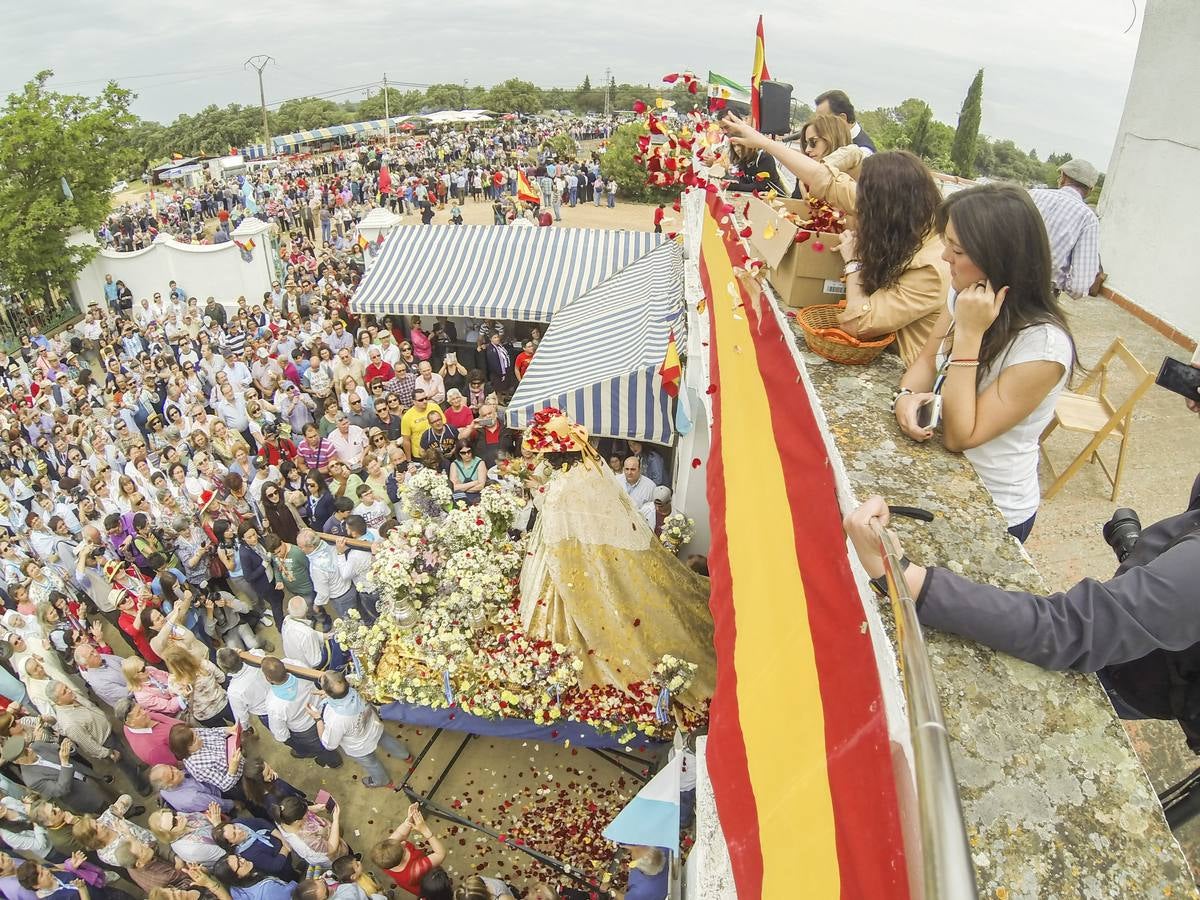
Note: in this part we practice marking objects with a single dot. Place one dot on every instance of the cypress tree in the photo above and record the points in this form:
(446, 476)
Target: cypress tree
(962, 153)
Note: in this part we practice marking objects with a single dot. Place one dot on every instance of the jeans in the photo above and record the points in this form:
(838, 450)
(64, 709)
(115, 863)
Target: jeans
(372, 765)
(596, 195)
(1021, 532)
(556, 205)
(573, 195)
(351, 600)
(307, 745)
(326, 231)
(612, 199)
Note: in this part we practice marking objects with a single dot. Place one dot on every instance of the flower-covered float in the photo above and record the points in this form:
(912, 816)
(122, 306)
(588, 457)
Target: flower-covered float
(585, 619)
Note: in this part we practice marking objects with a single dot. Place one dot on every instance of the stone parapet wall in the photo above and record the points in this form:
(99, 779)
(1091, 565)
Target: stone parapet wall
(1056, 803)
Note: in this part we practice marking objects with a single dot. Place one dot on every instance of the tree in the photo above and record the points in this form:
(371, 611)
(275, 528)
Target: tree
(967, 133)
(306, 113)
(48, 140)
(920, 133)
(443, 96)
(515, 95)
(618, 162)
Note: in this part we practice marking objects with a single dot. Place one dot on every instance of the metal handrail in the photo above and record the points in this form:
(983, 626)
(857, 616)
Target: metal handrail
(945, 852)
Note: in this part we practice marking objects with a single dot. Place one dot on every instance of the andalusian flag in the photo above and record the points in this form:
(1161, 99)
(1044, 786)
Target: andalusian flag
(758, 75)
(526, 191)
(671, 370)
(798, 746)
(727, 88)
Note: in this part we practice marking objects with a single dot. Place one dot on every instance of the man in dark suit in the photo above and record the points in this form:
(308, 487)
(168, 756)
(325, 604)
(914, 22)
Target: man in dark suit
(499, 364)
(48, 771)
(838, 104)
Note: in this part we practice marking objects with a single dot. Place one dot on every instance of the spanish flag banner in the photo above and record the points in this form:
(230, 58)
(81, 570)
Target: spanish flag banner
(525, 191)
(758, 75)
(363, 243)
(671, 370)
(798, 745)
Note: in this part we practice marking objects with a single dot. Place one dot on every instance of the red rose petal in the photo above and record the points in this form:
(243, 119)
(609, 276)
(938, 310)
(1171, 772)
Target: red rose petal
(693, 87)
(639, 107)
(711, 389)
(746, 232)
(672, 78)
(818, 246)
(696, 463)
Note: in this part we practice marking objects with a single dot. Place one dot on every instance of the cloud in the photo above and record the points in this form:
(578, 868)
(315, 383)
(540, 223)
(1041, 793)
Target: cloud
(1055, 74)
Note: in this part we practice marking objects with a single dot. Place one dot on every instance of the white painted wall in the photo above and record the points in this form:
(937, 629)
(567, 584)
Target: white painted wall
(1152, 184)
(205, 270)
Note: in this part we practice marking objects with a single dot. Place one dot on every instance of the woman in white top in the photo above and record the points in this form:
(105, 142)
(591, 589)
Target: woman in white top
(1001, 351)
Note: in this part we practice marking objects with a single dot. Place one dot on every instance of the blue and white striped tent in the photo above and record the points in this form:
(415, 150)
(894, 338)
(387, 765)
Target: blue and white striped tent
(600, 357)
(489, 272)
(296, 139)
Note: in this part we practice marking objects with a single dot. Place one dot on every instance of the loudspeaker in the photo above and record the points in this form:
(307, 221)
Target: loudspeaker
(738, 107)
(775, 99)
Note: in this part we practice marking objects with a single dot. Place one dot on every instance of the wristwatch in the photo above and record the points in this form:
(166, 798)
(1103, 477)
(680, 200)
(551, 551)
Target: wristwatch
(851, 267)
(879, 585)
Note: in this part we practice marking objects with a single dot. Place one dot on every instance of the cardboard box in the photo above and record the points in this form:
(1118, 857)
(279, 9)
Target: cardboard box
(801, 274)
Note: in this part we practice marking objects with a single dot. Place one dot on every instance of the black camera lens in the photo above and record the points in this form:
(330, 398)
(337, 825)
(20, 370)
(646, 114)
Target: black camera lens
(1122, 531)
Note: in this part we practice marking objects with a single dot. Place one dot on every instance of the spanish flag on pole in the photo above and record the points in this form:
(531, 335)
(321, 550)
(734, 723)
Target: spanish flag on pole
(758, 75)
(671, 370)
(363, 243)
(525, 191)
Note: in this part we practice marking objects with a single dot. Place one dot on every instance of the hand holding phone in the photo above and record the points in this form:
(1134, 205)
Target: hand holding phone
(929, 413)
(1181, 378)
(324, 798)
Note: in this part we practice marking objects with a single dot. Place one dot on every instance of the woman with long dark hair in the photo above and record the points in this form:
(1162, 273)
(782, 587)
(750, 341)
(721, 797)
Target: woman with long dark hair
(1001, 351)
(896, 279)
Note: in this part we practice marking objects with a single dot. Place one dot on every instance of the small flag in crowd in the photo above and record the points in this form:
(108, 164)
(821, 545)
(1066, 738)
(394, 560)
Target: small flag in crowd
(671, 370)
(525, 191)
(363, 243)
(651, 818)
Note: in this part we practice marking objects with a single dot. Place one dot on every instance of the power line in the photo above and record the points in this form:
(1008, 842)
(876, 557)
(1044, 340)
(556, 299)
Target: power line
(120, 78)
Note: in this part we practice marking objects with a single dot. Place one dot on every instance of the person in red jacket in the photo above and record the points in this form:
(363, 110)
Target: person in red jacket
(659, 213)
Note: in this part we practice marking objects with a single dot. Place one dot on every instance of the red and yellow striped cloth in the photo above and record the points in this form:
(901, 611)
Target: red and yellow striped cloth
(798, 745)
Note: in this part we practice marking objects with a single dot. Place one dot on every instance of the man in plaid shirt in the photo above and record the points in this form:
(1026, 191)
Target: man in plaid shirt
(206, 757)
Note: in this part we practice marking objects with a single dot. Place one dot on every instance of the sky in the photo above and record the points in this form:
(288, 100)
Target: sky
(1055, 73)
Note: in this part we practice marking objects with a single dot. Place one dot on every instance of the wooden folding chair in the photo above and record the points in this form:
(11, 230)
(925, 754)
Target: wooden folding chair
(1098, 416)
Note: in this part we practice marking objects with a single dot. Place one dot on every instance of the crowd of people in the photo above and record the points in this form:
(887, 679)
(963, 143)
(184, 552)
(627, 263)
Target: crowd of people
(323, 196)
(189, 497)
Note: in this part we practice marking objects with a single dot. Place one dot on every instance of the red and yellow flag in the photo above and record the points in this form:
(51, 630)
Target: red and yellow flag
(758, 75)
(525, 191)
(671, 370)
(363, 243)
(798, 747)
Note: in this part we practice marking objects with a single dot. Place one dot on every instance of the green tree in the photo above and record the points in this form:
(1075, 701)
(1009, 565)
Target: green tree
(562, 145)
(618, 162)
(443, 96)
(515, 95)
(965, 136)
(48, 139)
(920, 133)
(306, 113)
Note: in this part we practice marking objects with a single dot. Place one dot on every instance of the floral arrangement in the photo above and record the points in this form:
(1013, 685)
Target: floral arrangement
(677, 530)
(427, 494)
(449, 633)
(673, 673)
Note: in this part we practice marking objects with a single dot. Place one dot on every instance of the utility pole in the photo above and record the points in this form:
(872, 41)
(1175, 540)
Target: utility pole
(607, 95)
(258, 63)
(464, 94)
(387, 114)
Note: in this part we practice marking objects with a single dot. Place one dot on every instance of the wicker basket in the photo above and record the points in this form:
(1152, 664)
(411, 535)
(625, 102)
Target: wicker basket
(825, 338)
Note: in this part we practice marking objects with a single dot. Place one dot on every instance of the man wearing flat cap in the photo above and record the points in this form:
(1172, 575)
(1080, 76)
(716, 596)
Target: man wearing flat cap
(1072, 227)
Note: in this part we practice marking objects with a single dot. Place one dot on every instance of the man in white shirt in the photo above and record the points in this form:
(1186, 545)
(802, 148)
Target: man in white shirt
(351, 724)
(287, 713)
(430, 382)
(329, 584)
(247, 689)
(349, 441)
(637, 486)
(301, 641)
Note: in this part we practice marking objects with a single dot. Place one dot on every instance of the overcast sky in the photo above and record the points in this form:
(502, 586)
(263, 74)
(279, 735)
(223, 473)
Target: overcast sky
(1056, 73)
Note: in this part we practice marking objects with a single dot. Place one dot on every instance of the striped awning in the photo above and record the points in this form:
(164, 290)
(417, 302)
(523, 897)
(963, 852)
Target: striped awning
(493, 272)
(374, 126)
(600, 357)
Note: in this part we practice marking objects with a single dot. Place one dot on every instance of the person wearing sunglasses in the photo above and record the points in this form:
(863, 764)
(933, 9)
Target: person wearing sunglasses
(468, 474)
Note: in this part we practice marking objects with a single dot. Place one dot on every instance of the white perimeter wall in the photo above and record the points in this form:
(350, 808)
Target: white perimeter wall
(203, 271)
(1152, 187)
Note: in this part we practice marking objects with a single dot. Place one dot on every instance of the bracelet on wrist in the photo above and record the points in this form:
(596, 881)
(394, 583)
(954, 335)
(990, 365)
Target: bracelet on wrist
(896, 396)
(851, 267)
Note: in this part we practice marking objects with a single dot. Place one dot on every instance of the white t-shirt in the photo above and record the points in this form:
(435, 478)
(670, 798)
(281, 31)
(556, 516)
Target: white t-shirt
(1008, 463)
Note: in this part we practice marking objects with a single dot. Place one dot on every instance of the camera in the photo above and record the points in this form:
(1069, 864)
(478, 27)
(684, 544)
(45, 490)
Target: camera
(1122, 531)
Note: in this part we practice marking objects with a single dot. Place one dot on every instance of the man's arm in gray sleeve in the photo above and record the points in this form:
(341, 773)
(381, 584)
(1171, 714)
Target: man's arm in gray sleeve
(1090, 626)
